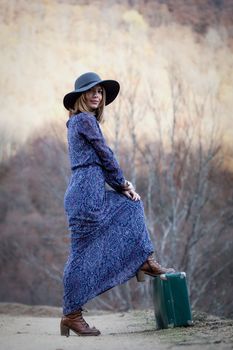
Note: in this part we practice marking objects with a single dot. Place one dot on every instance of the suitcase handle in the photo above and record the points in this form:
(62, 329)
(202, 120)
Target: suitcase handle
(164, 276)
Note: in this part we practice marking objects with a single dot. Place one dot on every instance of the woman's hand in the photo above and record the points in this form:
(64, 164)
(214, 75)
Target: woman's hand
(128, 186)
(131, 194)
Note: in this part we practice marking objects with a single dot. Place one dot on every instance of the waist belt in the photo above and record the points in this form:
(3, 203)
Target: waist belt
(84, 166)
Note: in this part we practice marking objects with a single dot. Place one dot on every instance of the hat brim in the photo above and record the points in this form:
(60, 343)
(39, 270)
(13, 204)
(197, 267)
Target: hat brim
(112, 88)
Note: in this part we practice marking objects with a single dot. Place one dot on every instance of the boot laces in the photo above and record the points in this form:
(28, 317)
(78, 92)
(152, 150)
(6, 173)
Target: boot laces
(84, 323)
(153, 261)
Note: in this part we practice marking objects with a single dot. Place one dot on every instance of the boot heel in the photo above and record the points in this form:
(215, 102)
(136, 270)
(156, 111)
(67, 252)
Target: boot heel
(140, 276)
(64, 330)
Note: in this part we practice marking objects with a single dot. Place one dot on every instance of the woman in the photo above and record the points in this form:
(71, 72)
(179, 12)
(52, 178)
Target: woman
(109, 240)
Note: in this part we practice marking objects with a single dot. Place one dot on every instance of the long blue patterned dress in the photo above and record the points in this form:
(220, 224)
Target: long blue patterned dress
(109, 238)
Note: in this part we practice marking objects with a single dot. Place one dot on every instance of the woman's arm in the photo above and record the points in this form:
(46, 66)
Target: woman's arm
(88, 127)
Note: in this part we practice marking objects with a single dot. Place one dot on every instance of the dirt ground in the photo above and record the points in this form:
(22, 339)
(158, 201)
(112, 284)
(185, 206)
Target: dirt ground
(37, 328)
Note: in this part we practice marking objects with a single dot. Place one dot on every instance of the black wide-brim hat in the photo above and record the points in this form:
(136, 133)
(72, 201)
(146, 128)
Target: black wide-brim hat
(87, 81)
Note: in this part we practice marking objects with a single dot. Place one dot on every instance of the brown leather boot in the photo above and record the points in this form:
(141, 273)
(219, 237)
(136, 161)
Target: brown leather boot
(153, 268)
(77, 324)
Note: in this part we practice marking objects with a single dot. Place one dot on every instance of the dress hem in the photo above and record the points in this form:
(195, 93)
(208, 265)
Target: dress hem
(130, 275)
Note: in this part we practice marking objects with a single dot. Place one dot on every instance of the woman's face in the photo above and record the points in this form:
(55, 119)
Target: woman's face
(94, 97)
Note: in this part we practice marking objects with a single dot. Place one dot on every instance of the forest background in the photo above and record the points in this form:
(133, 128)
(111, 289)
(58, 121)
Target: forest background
(171, 129)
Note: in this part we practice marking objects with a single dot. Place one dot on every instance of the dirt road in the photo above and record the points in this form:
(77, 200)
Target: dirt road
(37, 328)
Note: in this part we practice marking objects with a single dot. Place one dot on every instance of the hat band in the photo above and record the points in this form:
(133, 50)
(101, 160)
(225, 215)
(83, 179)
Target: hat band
(89, 83)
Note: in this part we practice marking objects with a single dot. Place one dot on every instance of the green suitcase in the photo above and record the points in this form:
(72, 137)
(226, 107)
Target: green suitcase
(171, 300)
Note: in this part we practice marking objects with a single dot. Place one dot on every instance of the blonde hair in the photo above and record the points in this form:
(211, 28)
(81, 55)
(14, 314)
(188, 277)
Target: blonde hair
(80, 105)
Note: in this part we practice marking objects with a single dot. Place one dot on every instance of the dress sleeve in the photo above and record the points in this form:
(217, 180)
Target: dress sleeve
(89, 128)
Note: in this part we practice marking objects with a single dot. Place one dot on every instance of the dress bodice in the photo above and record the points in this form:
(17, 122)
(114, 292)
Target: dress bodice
(87, 146)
